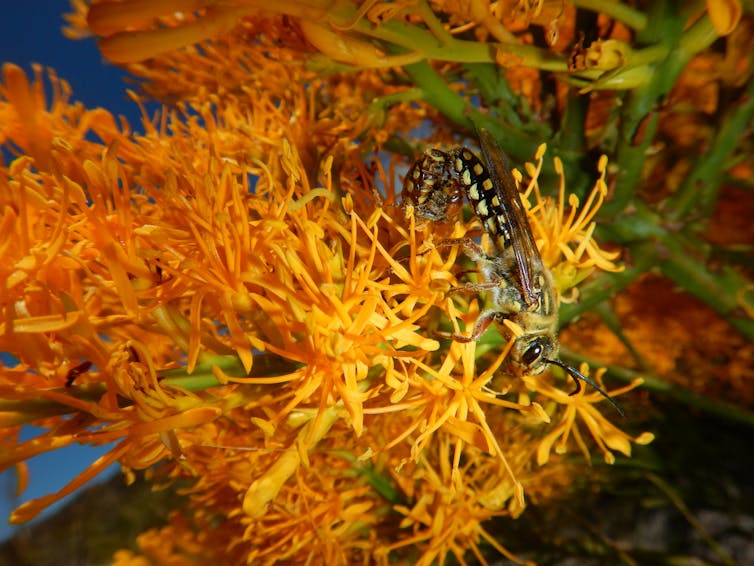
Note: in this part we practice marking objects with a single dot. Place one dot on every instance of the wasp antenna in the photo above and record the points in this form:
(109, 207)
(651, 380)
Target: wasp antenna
(578, 376)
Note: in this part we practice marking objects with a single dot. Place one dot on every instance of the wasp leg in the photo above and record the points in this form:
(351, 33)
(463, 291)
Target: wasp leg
(475, 253)
(475, 289)
(472, 250)
(480, 327)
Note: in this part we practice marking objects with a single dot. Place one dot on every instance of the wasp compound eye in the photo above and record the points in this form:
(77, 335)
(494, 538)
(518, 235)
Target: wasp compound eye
(533, 352)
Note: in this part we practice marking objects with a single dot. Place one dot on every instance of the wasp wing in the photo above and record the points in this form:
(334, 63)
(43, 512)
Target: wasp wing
(528, 259)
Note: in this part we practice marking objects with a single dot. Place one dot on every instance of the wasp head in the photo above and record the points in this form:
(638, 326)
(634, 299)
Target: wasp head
(532, 354)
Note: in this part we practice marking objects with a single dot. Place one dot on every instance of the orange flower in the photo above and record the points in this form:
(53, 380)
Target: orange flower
(226, 295)
(607, 436)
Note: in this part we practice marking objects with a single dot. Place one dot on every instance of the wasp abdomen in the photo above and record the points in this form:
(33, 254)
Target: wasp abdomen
(482, 195)
(433, 188)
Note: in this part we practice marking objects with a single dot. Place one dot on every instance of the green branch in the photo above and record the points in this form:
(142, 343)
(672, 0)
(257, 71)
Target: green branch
(640, 115)
(415, 39)
(437, 93)
(720, 291)
(616, 10)
(698, 192)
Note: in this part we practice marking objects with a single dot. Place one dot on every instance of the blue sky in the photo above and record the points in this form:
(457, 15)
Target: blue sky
(30, 33)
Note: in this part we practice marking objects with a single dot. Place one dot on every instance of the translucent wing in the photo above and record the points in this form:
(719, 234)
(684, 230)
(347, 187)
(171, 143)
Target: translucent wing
(525, 250)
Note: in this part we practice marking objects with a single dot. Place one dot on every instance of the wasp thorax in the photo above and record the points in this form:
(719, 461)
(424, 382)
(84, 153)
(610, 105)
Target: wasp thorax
(531, 354)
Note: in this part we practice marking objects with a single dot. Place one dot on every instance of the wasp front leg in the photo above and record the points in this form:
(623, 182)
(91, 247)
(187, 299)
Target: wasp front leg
(489, 266)
(503, 306)
(496, 271)
(480, 326)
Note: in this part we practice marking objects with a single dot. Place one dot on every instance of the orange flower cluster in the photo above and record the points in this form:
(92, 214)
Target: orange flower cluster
(232, 294)
(207, 245)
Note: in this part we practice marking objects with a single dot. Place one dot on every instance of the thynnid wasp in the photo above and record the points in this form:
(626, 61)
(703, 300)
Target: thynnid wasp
(521, 287)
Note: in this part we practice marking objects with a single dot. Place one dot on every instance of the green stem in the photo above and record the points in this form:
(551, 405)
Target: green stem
(721, 291)
(571, 135)
(440, 96)
(377, 111)
(570, 144)
(409, 95)
(497, 93)
(695, 39)
(641, 225)
(29, 410)
(616, 10)
(683, 261)
(413, 38)
(434, 24)
(697, 194)
(640, 116)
